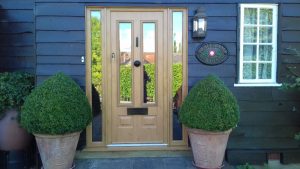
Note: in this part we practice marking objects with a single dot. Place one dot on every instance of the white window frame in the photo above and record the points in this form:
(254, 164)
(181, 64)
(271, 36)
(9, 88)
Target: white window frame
(259, 82)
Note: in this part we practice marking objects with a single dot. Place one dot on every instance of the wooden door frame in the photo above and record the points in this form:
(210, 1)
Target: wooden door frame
(106, 104)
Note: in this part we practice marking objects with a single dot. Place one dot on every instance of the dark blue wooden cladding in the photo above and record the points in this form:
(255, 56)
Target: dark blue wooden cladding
(17, 36)
(60, 36)
(60, 49)
(60, 23)
(268, 116)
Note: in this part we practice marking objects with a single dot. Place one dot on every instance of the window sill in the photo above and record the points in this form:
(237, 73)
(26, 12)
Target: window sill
(257, 85)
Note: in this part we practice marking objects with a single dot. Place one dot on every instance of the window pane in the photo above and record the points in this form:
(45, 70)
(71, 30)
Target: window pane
(149, 62)
(96, 44)
(250, 34)
(177, 73)
(266, 17)
(264, 70)
(265, 52)
(250, 16)
(249, 70)
(265, 35)
(249, 52)
(125, 62)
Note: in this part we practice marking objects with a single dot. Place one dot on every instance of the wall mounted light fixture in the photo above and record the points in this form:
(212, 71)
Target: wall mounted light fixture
(199, 24)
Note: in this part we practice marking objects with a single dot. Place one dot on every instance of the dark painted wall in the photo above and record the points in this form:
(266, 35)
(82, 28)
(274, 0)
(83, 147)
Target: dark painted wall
(17, 35)
(269, 117)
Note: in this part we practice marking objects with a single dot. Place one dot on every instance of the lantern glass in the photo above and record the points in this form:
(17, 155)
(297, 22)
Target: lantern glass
(201, 24)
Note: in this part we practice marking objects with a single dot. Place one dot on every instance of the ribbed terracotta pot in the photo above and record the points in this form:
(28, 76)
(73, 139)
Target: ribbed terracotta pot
(208, 147)
(57, 151)
(12, 136)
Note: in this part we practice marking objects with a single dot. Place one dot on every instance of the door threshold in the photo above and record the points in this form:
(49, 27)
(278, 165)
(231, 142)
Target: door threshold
(133, 154)
(137, 145)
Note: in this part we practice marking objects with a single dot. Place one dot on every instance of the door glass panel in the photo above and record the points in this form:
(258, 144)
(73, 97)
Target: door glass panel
(249, 52)
(250, 34)
(125, 45)
(177, 74)
(266, 16)
(249, 71)
(97, 94)
(264, 70)
(149, 66)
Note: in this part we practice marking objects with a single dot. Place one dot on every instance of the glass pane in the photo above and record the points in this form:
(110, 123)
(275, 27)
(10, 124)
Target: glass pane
(265, 35)
(96, 37)
(250, 34)
(177, 73)
(249, 70)
(265, 52)
(250, 16)
(266, 16)
(125, 62)
(264, 70)
(249, 52)
(149, 68)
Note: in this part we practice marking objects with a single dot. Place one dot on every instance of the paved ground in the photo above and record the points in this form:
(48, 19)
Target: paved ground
(138, 163)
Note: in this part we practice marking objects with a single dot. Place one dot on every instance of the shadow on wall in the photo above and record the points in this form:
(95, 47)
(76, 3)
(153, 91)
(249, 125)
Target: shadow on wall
(16, 41)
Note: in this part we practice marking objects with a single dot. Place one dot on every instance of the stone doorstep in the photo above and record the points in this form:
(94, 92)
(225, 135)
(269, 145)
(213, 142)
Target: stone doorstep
(131, 154)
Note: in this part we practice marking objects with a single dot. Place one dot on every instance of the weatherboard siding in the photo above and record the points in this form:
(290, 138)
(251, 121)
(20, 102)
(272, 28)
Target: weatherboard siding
(269, 116)
(17, 41)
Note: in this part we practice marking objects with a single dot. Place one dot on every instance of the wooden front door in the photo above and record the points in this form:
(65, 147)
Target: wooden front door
(137, 70)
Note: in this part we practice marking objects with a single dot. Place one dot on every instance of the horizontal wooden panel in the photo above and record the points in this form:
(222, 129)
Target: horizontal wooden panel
(17, 4)
(291, 36)
(290, 23)
(291, 156)
(44, 70)
(231, 47)
(251, 93)
(268, 106)
(290, 59)
(60, 23)
(60, 36)
(60, 49)
(16, 15)
(60, 9)
(228, 81)
(11, 28)
(17, 62)
(269, 118)
(290, 9)
(80, 80)
(29, 70)
(279, 94)
(215, 9)
(16, 51)
(59, 60)
(200, 70)
(253, 131)
(231, 60)
(23, 39)
(235, 143)
(217, 36)
(218, 23)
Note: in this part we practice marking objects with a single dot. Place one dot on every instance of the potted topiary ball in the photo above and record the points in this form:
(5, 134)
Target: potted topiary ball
(56, 112)
(14, 87)
(210, 111)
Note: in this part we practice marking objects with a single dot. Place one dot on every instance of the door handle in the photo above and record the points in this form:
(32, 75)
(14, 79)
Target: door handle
(137, 63)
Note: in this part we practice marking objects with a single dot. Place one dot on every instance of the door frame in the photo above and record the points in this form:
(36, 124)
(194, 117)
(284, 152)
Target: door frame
(106, 104)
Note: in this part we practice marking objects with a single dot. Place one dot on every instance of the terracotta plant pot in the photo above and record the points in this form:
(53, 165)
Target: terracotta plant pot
(208, 147)
(57, 151)
(12, 136)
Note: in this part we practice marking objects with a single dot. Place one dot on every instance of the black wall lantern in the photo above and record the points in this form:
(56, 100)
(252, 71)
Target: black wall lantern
(199, 24)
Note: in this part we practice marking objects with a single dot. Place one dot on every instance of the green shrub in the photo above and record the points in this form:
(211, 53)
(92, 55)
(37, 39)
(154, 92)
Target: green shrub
(210, 106)
(57, 106)
(14, 87)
